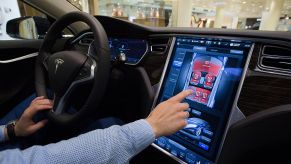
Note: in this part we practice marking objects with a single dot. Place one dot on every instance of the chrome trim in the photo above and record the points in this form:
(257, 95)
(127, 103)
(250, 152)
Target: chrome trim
(264, 67)
(146, 51)
(85, 44)
(80, 37)
(164, 71)
(167, 153)
(288, 63)
(263, 51)
(272, 72)
(67, 35)
(235, 106)
(151, 49)
(268, 69)
(19, 58)
(89, 49)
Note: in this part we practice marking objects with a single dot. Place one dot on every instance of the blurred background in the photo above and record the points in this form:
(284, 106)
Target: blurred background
(270, 15)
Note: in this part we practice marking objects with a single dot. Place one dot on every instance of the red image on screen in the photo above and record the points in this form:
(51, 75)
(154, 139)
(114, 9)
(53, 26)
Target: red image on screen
(199, 95)
(204, 74)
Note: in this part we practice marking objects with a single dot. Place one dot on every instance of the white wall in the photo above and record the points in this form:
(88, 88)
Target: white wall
(8, 10)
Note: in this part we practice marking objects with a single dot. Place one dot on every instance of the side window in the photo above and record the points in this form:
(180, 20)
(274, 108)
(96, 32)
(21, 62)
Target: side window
(21, 21)
(26, 10)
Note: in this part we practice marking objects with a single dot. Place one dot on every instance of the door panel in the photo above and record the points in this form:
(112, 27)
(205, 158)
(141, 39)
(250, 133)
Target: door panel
(17, 76)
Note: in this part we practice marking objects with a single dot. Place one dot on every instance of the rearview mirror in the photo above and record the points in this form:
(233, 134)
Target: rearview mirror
(31, 27)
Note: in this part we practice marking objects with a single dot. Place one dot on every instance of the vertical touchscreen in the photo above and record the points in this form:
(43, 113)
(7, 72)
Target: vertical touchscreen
(213, 69)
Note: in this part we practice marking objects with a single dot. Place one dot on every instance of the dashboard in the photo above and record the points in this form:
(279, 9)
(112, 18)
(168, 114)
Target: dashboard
(228, 71)
(214, 68)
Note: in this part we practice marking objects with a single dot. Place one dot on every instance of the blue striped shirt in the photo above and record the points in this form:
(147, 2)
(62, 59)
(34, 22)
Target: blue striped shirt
(117, 144)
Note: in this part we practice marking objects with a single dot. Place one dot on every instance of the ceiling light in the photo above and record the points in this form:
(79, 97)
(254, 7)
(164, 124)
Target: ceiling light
(219, 3)
(244, 2)
(261, 6)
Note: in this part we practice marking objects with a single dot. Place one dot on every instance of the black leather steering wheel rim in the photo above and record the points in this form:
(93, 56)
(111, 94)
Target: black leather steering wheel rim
(101, 60)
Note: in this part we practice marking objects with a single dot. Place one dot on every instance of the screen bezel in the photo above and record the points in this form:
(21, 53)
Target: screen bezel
(233, 106)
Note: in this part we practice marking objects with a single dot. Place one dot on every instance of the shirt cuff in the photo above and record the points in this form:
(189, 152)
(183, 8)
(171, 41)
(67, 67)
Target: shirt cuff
(2, 133)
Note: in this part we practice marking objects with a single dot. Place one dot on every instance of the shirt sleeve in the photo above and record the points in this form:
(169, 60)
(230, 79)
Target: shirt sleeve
(2, 134)
(117, 144)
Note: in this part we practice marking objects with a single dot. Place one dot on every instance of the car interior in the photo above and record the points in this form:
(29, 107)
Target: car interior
(109, 67)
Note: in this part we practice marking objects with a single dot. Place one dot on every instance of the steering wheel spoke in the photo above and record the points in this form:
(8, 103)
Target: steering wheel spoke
(45, 63)
(59, 104)
(86, 73)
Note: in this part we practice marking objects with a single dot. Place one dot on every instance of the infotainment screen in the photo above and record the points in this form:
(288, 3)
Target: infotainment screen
(213, 69)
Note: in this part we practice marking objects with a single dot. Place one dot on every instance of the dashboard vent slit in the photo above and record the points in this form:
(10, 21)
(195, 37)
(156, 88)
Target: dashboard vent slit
(276, 59)
(86, 41)
(275, 62)
(161, 48)
(276, 51)
(158, 45)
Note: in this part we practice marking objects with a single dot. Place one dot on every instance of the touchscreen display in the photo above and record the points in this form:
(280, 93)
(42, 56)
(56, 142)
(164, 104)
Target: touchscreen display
(213, 69)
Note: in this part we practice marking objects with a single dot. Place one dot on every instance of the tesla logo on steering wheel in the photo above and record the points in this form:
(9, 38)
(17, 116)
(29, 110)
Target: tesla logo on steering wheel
(58, 62)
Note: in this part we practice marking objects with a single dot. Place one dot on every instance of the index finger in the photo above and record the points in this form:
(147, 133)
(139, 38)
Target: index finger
(44, 102)
(38, 98)
(182, 95)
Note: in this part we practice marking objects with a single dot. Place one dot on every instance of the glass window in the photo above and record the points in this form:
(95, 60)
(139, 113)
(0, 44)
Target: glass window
(28, 22)
(15, 9)
(271, 15)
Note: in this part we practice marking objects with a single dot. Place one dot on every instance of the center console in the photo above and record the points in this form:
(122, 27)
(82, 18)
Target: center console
(214, 69)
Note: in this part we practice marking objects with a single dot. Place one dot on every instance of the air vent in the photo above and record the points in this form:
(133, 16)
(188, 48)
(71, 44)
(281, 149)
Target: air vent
(276, 51)
(275, 62)
(84, 39)
(158, 48)
(158, 45)
(276, 59)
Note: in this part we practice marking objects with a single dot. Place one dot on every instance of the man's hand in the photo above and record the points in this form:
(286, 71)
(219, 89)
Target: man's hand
(170, 116)
(25, 125)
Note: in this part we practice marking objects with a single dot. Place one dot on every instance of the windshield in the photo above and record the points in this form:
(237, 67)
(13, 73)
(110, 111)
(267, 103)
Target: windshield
(270, 15)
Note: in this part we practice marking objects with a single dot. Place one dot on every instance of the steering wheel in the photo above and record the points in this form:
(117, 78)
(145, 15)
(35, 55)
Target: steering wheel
(66, 70)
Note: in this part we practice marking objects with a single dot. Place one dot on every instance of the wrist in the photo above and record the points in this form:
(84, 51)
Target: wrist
(154, 127)
(10, 131)
(16, 130)
(6, 134)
